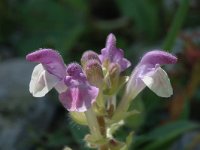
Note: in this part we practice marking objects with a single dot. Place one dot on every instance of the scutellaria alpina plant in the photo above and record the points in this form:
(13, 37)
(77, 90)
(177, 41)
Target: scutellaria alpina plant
(88, 91)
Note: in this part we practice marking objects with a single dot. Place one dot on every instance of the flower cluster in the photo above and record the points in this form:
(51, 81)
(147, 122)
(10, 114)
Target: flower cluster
(92, 86)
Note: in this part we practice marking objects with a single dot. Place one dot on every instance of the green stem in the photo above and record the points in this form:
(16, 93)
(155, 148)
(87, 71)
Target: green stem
(122, 108)
(93, 124)
(113, 101)
(176, 25)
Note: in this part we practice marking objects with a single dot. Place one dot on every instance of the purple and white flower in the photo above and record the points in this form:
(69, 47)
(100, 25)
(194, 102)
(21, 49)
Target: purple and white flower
(69, 81)
(149, 73)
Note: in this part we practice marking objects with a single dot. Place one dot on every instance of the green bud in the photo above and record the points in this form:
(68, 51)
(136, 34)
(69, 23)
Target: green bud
(94, 73)
(114, 80)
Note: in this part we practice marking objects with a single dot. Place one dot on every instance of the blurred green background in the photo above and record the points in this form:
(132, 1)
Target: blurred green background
(73, 26)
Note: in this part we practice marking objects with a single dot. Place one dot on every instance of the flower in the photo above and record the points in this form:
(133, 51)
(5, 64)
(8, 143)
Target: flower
(111, 54)
(75, 92)
(79, 95)
(48, 74)
(149, 73)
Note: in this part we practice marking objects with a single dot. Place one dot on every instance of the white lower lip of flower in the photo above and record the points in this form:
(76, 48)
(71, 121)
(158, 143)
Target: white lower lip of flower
(41, 81)
(158, 82)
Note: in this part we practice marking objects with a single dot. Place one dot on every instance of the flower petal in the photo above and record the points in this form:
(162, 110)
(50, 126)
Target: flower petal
(148, 72)
(112, 54)
(50, 59)
(41, 81)
(158, 82)
(133, 89)
(61, 87)
(79, 95)
(158, 57)
(79, 98)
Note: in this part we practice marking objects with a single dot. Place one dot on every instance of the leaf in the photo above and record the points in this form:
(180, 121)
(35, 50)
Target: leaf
(129, 140)
(163, 136)
(50, 25)
(80, 5)
(176, 25)
(184, 115)
(79, 133)
(137, 119)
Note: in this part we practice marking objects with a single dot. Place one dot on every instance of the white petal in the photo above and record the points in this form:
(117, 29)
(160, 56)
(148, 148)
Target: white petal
(41, 81)
(158, 82)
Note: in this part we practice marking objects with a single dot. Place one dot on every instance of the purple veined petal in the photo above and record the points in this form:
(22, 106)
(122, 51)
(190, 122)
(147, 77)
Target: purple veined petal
(41, 81)
(124, 64)
(51, 60)
(112, 54)
(72, 81)
(79, 95)
(79, 98)
(158, 81)
(74, 70)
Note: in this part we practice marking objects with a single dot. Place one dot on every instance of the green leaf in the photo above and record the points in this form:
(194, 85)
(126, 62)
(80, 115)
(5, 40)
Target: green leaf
(48, 23)
(129, 140)
(79, 133)
(186, 110)
(176, 25)
(80, 5)
(137, 119)
(163, 136)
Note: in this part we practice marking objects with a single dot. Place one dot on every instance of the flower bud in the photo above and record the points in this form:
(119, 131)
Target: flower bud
(115, 80)
(89, 55)
(94, 73)
(114, 70)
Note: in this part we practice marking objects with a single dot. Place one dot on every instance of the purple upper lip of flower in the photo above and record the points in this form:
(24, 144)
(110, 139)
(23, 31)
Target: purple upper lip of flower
(50, 59)
(114, 54)
(158, 57)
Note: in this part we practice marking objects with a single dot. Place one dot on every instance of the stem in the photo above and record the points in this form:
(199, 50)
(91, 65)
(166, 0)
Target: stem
(103, 147)
(113, 101)
(102, 125)
(111, 105)
(100, 102)
(176, 25)
(123, 106)
(93, 123)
